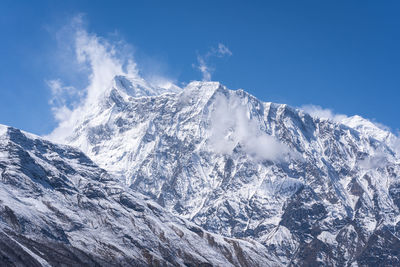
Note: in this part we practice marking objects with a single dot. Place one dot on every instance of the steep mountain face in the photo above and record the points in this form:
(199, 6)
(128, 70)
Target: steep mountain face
(312, 191)
(58, 208)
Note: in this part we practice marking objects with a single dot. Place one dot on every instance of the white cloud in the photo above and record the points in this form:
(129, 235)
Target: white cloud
(319, 112)
(231, 125)
(223, 50)
(204, 69)
(63, 99)
(62, 113)
(60, 93)
(203, 60)
(102, 60)
(162, 82)
(377, 160)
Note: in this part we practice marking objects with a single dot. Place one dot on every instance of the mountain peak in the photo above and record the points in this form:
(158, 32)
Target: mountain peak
(201, 89)
(123, 88)
(366, 127)
(138, 87)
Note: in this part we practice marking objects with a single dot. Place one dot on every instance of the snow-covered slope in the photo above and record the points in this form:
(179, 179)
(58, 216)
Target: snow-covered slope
(58, 208)
(310, 190)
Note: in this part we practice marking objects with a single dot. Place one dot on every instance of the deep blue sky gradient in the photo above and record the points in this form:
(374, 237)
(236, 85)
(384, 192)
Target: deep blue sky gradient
(342, 55)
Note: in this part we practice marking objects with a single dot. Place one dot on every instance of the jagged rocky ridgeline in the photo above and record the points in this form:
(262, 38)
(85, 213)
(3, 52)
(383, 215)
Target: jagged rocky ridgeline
(58, 208)
(311, 190)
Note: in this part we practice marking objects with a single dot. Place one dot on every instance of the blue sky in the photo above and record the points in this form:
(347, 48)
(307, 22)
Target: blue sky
(341, 55)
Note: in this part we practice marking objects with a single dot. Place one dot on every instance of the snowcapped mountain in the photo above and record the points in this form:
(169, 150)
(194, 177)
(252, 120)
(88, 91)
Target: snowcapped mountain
(58, 208)
(311, 190)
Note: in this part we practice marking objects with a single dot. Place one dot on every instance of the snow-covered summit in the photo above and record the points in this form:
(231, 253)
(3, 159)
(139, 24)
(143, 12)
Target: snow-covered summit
(137, 87)
(366, 127)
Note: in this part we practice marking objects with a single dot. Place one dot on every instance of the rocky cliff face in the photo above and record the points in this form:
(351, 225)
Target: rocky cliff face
(311, 190)
(58, 208)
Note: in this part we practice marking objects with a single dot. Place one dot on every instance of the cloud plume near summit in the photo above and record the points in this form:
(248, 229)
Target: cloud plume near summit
(101, 60)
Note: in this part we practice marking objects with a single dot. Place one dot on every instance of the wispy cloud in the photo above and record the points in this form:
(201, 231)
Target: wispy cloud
(378, 159)
(101, 60)
(63, 99)
(323, 113)
(204, 68)
(231, 126)
(203, 61)
(223, 51)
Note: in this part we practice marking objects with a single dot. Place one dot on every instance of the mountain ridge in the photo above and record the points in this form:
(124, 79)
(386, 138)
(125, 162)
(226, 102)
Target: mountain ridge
(235, 166)
(202, 175)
